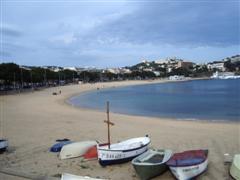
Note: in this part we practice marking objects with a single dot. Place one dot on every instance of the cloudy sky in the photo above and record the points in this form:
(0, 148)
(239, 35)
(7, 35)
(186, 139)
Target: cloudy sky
(117, 33)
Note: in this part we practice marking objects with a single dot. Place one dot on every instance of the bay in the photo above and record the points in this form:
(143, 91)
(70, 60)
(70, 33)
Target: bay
(212, 99)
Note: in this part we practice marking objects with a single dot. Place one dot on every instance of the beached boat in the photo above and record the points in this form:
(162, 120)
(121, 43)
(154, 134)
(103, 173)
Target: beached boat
(58, 146)
(151, 163)
(3, 141)
(91, 154)
(3, 145)
(123, 151)
(120, 152)
(235, 167)
(188, 164)
(66, 176)
(76, 149)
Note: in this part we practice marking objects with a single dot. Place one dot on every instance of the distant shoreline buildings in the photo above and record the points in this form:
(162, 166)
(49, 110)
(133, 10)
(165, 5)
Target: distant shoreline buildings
(13, 76)
(153, 66)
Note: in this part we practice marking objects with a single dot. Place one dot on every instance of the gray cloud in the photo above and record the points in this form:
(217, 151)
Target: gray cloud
(115, 34)
(5, 54)
(194, 24)
(10, 31)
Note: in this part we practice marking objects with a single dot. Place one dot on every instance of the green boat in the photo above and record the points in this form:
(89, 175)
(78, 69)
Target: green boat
(235, 167)
(151, 163)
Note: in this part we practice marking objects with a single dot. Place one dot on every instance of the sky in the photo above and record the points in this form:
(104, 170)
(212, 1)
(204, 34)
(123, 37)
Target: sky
(119, 33)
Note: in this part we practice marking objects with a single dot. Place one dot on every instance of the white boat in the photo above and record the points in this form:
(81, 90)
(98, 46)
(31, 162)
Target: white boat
(123, 151)
(188, 164)
(224, 75)
(3, 145)
(76, 149)
(66, 176)
(235, 167)
(3, 141)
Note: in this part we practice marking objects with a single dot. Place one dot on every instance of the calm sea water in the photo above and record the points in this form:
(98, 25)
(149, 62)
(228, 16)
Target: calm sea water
(190, 100)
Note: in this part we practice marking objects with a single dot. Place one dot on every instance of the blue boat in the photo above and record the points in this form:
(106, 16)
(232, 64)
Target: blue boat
(58, 146)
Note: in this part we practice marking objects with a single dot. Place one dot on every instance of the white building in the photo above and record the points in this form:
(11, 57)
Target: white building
(113, 70)
(125, 71)
(119, 70)
(176, 77)
(70, 68)
(219, 65)
(161, 61)
(157, 73)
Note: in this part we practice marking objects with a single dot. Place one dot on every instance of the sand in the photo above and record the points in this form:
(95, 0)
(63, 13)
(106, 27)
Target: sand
(33, 121)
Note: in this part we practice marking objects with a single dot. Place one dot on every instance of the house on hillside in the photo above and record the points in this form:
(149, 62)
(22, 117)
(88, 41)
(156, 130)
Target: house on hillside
(185, 64)
(216, 65)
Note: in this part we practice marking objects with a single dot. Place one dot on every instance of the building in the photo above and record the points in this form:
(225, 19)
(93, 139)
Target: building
(161, 61)
(70, 68)
(113, 70)
(157, 73)
(125, 71)
(176, 77)
(185, 65)
(216, 65)
(118, 70)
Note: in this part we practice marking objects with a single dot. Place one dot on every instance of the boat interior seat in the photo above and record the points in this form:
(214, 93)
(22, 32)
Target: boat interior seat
(146, 157)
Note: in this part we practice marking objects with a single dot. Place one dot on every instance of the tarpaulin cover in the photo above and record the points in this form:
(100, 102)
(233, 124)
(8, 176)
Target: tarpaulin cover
(58, 146)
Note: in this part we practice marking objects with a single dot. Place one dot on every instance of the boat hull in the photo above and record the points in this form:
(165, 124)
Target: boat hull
(115, 161)
(3, 145)
(76, 149)
(115, 156)
(189, 172)
(147, 168)
(235, 167)
(148, 172)
(188, 164)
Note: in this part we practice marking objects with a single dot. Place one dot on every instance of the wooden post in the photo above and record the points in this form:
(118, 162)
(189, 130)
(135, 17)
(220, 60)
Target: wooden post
(108, 125)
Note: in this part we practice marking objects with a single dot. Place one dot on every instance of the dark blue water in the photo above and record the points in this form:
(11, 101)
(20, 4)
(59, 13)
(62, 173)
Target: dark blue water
(198, 99)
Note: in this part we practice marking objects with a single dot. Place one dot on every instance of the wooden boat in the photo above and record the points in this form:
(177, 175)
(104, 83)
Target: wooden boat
(66, 176)
(235, 167)
(151, 163)
(58, 146)
(76, 149)
(120, 152)
(188, 164)
(3, 145)
(123, 151)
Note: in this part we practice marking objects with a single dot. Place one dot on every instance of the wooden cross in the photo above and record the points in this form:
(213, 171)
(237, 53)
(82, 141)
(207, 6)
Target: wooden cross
(108, 125)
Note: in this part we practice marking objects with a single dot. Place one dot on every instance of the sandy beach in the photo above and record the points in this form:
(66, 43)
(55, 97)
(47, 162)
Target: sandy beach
(33, 121)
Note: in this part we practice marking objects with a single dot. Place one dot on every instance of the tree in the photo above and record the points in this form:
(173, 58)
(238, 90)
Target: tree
(9, 72)
(229, 66)
(87, 76)
(180, 71)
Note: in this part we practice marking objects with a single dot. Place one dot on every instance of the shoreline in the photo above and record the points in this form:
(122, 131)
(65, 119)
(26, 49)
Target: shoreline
(33, 121)
(68, 99)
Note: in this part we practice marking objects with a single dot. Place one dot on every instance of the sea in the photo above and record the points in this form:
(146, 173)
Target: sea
(208, 100)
